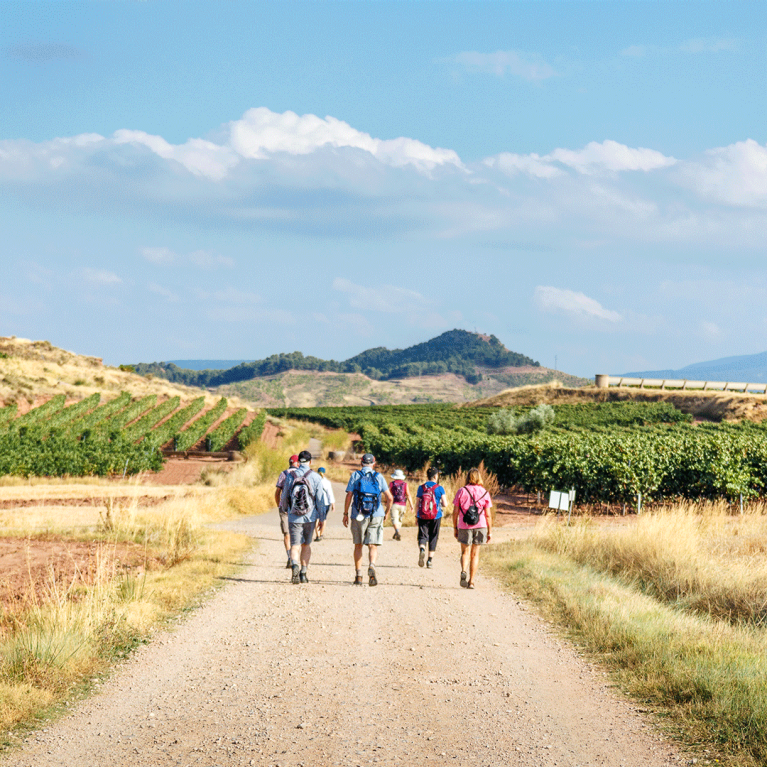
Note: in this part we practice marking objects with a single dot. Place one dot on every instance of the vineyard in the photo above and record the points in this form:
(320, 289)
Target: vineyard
(607, 452)
(121, 436)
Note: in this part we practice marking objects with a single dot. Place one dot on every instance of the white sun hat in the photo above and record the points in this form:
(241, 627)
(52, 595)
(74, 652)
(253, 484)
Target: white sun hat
(398, 474)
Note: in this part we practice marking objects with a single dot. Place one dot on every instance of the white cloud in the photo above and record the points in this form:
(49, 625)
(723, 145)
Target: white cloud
(593, 158)
(168, 295)
(261, 133)
(382, 298)
(710, 331)
(734, 174)
(206, 260)
(203, 158)
(235, 296)
(636, 51)
(709, 45)
(526, 66)
(550, 299)
(100, 277)
(162, 256)
(158, 255)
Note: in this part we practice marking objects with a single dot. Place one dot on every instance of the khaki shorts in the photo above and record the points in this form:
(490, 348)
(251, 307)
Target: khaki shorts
(284, 525)
(368, 531)
(472, 536)
(397, 513)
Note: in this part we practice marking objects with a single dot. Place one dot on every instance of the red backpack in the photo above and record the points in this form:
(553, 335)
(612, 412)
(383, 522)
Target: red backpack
(427, 506)
(398, 489)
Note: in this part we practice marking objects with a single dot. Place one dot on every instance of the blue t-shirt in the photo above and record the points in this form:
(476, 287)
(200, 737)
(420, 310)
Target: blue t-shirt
(316, 490)
(438, 495)
(381, 484)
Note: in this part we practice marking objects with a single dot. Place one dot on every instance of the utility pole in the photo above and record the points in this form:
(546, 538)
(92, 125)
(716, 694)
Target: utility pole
(555, 362)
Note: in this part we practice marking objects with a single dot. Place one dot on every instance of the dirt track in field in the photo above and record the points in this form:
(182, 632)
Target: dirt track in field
(413, 671)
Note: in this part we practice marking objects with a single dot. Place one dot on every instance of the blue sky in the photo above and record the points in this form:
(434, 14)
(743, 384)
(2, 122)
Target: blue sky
(231, 180)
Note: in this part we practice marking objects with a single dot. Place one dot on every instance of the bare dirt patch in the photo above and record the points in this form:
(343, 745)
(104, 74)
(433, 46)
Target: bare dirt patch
(31, 566)
(186, 471)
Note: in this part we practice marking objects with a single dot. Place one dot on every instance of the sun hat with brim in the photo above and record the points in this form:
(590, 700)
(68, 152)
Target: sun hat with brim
(398, 474)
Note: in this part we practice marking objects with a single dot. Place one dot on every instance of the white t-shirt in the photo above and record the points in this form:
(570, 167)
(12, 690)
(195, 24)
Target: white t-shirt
(328, 488)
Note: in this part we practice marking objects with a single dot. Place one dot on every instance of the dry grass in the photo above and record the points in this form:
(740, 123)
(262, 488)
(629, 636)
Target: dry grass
(674, 604)
(697, 557)
(74, 631)
(35, 371)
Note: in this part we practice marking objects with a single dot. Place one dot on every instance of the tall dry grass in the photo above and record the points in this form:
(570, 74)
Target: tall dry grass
(698, 557)
(674, 603)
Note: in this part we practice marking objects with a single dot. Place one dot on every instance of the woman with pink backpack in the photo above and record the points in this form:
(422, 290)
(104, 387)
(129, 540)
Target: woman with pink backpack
(402, 501)
(472, 524)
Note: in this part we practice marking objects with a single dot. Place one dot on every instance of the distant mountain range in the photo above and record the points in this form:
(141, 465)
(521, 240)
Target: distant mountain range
(749, 368)
(206, 364)
(456, 351)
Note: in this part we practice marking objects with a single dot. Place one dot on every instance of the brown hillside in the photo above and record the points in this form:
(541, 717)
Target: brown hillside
(709, 405)
(32, 372)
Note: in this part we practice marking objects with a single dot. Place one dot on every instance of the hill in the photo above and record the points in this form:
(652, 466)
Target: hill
(34, 371)
(456, 351)
(746, 368)
(704, 405)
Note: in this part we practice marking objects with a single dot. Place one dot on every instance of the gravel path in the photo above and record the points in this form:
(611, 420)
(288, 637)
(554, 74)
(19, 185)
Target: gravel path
(414, 671)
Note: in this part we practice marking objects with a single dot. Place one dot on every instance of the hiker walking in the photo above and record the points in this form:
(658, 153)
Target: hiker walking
(366, 494)
(278, 499)
(306, 504)
(431, 501)
(401, 501)
(472, 524)
(330, 503)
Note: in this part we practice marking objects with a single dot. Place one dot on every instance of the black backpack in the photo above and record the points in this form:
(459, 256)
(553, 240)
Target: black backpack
(471, 515)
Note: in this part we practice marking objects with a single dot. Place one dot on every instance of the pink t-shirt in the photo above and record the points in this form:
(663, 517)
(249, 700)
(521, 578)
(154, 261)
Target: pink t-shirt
(465, 497)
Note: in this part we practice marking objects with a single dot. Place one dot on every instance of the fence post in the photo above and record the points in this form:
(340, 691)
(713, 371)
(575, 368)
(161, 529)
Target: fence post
(741, 503)
(639, 503)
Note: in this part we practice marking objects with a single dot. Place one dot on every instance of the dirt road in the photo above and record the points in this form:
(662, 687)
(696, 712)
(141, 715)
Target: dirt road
(413, 671)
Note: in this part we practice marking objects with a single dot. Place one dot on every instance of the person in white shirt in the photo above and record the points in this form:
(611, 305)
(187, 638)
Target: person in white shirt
(330, 502)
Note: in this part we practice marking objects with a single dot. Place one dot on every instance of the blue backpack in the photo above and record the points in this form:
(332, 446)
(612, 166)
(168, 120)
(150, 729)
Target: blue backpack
(367, 493)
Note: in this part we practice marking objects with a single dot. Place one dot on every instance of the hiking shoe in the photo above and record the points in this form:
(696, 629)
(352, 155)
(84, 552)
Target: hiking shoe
(397, 536)
(372, 580)
(289, 564)
(422, 558)
(428, 563)
(303, 578)
(464, 579)
(296, 574)
(358, 580)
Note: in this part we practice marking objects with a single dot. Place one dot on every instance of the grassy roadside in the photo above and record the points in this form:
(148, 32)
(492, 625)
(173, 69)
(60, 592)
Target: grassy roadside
(647, 602)
(69, 632)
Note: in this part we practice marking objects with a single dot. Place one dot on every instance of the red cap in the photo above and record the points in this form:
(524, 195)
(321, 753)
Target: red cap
(294, 459)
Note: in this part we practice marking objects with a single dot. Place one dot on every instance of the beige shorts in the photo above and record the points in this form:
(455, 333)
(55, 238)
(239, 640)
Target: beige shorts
(284, 526)
(397, 513)
(472, 536)
(368, 531)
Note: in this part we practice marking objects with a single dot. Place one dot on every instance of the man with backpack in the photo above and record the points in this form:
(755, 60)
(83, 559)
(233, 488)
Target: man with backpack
(305, 505)
(282, 504)
(430, 502)
(366, 494)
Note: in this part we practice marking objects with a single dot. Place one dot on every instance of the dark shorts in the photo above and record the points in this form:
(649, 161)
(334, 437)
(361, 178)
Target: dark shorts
(428, 532)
